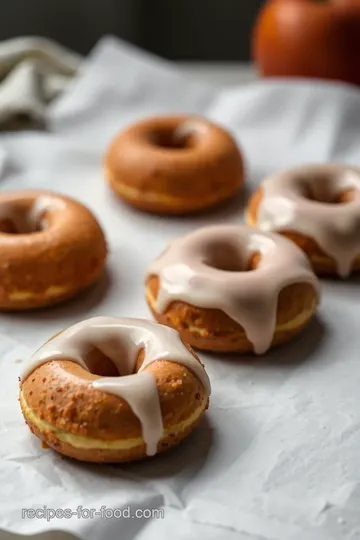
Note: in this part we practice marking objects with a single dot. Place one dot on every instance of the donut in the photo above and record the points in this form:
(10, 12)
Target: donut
(174, 165)
(113, 390)
(233, 288)
(51, 247)
(318, 208)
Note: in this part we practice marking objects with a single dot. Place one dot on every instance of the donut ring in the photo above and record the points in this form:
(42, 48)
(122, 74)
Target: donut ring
(73, 398)
(174, 165)
(318, 208)
(232, 288)
(51, 247)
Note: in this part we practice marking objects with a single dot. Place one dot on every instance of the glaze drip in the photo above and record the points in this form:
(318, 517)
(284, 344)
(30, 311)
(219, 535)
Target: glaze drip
(188, 271)
(285, 206)
(121, 340)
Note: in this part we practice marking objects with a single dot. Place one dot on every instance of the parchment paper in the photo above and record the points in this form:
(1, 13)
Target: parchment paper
(278, 455)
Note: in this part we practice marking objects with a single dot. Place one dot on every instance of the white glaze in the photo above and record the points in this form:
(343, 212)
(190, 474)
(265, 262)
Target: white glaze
(334, 227)
(121, 340)
(250, 298)
(26, 222)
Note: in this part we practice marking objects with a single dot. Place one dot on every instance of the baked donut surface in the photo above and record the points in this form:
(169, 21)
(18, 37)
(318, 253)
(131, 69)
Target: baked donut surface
(232, 288)
(51, 247)
(113, 390)
(174, 165)
(318, 208)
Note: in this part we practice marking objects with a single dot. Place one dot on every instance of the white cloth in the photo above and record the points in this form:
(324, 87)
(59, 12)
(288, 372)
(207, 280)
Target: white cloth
(277, 456)
(33, 71)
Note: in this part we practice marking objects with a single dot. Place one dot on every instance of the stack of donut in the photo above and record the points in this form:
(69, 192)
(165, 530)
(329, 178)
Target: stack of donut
(109, 389)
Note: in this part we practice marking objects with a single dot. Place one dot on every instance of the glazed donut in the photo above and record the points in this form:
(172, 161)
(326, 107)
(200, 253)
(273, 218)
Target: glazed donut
(112, 390)
(318, 208)
(51, 247)
(232, 288)
(174, 165)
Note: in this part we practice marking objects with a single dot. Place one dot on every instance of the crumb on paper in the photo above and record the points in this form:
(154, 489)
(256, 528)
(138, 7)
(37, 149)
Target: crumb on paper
(18, 361)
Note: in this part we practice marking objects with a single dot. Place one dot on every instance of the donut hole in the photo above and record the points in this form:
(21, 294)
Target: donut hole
(17, 219)
(8, 226)
(173, 139)
(227, 257)
(320, 191)
(100, 364)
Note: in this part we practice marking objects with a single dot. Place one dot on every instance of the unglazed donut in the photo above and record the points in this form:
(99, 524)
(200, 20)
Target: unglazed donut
(318, 208)
(232, 288)
(112, 390)
(51, 247)
(174, 165)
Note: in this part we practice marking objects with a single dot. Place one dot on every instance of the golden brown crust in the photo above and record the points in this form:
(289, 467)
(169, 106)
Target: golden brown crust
(145, 171)
(320, 261)
(59, 393)
(48, 266)
(213, 330)
(109, 456)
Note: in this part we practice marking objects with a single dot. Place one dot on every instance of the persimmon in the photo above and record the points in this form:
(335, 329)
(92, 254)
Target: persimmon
(309, 38)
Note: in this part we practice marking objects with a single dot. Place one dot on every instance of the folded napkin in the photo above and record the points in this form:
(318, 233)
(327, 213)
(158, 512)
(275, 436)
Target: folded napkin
(33, 71)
